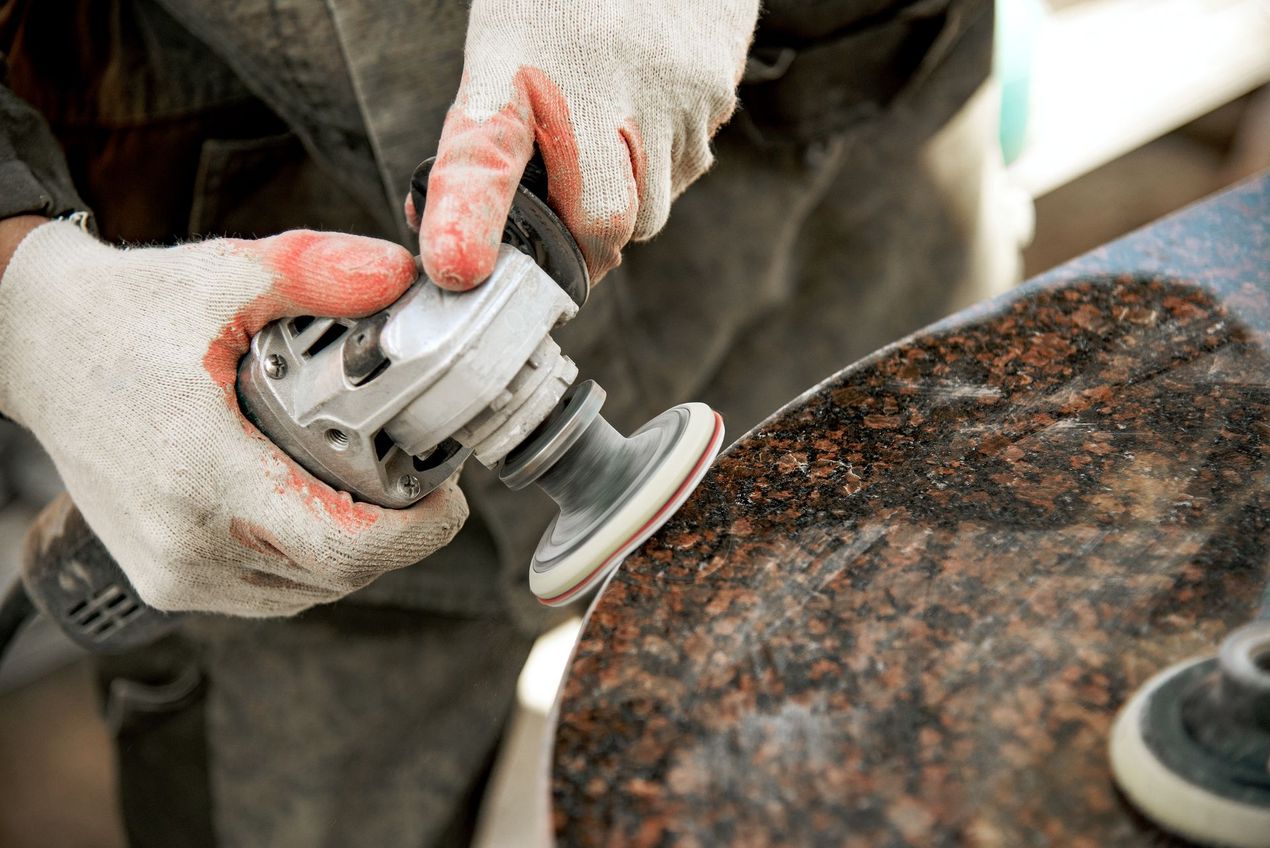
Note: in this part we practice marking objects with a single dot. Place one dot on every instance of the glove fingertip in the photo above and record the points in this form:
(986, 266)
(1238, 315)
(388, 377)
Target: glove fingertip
(457, 266)
(336, 273)
(439, 516)
(470, 191)
(458, 245)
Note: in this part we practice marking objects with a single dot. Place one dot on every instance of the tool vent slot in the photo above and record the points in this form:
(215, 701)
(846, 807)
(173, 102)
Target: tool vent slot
(441, 453)
(300, 324)
(383, 444)
(333, 334)
(378, 369)
(106, 612)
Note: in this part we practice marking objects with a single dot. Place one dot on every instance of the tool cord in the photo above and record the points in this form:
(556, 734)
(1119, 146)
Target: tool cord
(15, 609)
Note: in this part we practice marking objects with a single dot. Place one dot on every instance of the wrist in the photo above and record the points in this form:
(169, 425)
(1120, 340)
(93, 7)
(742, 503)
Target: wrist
(12, 232)
(41, 292)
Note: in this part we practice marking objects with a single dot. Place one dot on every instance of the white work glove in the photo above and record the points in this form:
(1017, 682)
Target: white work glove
(123, 365)
(620, 96)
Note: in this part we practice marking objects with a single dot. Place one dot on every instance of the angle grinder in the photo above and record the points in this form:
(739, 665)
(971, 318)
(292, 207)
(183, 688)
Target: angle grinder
(388, 407)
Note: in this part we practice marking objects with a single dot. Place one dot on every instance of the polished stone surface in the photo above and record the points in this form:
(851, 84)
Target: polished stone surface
(905, 609)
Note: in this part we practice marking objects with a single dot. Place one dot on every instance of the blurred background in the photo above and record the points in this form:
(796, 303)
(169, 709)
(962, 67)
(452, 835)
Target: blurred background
(1113, 113)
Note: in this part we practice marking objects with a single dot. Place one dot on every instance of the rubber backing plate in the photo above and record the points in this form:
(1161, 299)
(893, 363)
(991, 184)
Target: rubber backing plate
(563, 569)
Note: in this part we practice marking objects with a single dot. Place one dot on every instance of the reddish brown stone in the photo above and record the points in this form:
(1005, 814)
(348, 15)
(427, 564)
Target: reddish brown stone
(906, 610)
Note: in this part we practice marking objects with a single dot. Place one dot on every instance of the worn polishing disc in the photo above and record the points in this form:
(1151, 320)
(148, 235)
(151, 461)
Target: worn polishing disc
(658, 468)
(1178, 796)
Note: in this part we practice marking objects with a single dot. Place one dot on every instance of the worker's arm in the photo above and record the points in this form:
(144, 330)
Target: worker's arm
(620, 97)
(35, 183)
(12, 231)
(34, 179)
(123, 365)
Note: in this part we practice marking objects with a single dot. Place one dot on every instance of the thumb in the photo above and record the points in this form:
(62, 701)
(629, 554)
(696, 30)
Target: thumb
(470, 192)
(326, 275)
(332, 275)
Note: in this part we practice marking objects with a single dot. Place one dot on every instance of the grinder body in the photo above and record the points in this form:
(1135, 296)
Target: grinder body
(388, 407)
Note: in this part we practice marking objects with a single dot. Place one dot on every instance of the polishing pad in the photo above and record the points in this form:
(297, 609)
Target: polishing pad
(1171, 778)
(615, 492)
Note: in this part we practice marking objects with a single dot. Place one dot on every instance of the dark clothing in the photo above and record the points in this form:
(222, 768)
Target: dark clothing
(824, 231)
(123, 79)
(33, 175)
(821, 68)
(163, 139)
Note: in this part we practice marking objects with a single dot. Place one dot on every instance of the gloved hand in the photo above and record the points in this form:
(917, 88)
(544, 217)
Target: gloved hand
(621, 98)
(123, 365)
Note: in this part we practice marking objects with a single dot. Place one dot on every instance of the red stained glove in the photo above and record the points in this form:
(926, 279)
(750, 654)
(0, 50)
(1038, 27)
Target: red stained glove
(620, 97)
(123, 363)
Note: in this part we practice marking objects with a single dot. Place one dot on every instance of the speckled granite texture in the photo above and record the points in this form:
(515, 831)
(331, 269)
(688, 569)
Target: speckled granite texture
(905, 609)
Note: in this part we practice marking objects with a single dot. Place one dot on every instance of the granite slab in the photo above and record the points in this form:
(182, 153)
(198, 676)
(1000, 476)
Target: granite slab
(905, 609)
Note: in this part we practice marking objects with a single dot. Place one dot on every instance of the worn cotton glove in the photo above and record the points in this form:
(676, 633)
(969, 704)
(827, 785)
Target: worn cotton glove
(621, 98)
(122, 363)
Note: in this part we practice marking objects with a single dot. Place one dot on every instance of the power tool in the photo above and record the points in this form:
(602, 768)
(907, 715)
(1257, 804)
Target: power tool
(388, 407)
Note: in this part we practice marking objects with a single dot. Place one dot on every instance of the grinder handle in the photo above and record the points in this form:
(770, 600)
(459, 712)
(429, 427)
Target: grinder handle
(71, 578)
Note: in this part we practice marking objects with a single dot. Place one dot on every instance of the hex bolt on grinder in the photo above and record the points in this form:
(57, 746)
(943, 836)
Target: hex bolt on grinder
(1191, 748)
(388, 407)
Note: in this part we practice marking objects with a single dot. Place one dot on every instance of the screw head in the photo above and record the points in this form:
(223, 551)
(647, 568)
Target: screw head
(409, 485)
(275, 367)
